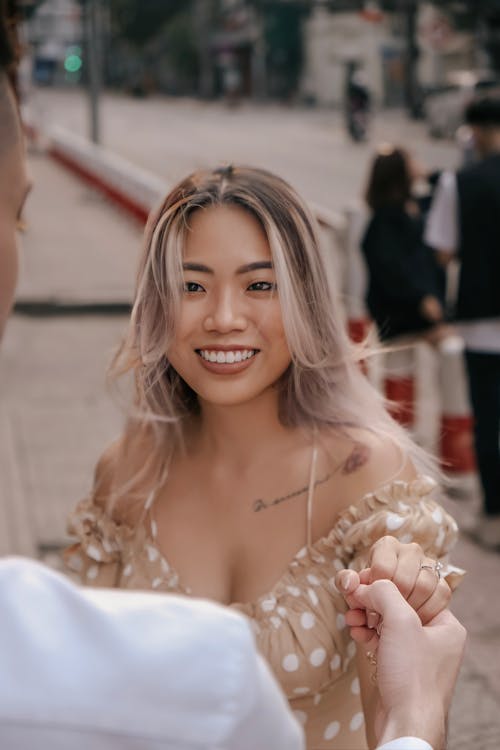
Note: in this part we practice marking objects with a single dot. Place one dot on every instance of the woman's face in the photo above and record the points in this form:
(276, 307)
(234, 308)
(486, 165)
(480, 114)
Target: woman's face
(229, 344)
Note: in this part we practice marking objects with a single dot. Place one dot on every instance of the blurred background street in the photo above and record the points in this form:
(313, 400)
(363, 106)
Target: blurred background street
(239, 85)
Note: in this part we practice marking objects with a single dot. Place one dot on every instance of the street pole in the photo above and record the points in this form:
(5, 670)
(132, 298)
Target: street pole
(412, 88)
(94, 67)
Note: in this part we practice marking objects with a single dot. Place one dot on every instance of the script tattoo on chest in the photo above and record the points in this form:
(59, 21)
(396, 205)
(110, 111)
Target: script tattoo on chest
(357, 458)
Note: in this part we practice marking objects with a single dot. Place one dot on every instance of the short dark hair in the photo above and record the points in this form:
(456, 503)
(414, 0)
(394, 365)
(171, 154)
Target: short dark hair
(484, 111)
(389, 182)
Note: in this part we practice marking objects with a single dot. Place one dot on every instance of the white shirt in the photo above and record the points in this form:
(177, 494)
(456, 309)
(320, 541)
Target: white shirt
(119, 670)
(443, 233)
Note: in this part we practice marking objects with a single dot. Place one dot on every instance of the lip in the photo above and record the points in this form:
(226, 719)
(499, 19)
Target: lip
(227, 368)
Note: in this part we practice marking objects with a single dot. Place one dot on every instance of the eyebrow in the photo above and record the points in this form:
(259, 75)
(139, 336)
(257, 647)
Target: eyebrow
(257, 266)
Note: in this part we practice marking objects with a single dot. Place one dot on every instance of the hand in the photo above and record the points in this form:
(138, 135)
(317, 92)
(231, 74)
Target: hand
(417, 666)
(431, 309)
(402, 564)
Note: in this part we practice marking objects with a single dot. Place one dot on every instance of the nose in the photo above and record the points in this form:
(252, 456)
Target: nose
(226, 313)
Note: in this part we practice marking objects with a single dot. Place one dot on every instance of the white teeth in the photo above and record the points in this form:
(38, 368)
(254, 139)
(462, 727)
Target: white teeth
(239, 355)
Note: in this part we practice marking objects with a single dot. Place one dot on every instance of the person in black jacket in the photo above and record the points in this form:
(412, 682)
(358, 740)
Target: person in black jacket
(406, 286)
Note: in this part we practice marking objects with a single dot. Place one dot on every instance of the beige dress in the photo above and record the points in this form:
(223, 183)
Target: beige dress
(299, 624)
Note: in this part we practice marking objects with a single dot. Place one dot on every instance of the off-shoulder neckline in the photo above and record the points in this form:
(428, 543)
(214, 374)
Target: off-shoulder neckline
(396, 489)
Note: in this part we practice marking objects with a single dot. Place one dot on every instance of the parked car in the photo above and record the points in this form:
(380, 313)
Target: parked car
(444, 105)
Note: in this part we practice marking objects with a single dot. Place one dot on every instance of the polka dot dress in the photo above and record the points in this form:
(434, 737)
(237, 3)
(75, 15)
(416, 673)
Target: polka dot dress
(300, 625)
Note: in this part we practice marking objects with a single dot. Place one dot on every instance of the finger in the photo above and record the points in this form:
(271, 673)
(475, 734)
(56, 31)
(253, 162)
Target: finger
(364, 575)
(408, 568)
(347, 581)
(436, 603)
(366, 637)
(356, 618)
(372, 620)
(383, 597)
(384, 559)
(425, 585)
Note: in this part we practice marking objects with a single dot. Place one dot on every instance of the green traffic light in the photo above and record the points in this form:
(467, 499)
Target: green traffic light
(73, 63)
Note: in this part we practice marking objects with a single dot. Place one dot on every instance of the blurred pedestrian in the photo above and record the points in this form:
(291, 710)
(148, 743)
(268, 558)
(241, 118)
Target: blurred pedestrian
(256, 451)
(357, 102)
(406, 286)
(464, 223)
(14, 181)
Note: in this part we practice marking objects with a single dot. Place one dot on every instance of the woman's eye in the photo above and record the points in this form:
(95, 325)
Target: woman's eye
(262, 286)
(192, 286)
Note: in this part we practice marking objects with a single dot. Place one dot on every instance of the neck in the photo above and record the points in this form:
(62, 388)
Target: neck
(242, 433)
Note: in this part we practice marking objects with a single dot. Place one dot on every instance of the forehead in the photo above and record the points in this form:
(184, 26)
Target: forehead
(223, 233)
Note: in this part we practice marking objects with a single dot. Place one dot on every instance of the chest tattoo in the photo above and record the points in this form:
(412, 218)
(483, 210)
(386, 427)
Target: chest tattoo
(357, 458)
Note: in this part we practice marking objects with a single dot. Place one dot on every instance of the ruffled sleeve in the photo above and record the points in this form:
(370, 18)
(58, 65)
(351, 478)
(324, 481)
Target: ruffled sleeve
(404, 510)
(96, 556)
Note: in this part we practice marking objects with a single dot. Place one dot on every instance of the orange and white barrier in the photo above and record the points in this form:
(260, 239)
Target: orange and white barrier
(355, 280)
(399, 385)
(456, 429)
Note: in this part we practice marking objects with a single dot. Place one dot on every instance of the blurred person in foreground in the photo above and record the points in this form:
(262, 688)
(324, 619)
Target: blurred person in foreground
(406, 286)
(464, 223)
(14, 181)
(257, 458)
(184, 674)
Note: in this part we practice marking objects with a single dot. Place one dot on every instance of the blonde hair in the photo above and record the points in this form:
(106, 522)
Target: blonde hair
(323, 386)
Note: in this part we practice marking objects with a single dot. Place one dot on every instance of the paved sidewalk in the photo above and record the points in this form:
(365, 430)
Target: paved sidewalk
(55, 416)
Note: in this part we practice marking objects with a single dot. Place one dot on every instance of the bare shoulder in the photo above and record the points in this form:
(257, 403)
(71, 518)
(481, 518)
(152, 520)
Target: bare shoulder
(365, 461)
(121, 473)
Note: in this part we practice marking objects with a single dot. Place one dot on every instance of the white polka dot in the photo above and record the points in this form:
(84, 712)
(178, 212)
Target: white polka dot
(154, 529)
(313, 580)
(406, 538)
(313, 597)
(437, 515)
(281, 611)
(355, 686)
(268, 604)
(301, 553)
(173, 581)
(393, 521)
(127, 570)
(164, 565)
(307, 620)
(319, 558)
(317, 657)
(156, 582)
(94, 552)
(351, 649)
(317, 699)
(276, 622)
(108, 546)
(335, 663)
(340, 621)
(293, 590)
(301, 691)
(290, 663)
(153, 553)
(403, 507)
(331, 731)
(301, 717)
(338, 564)
(357, 722)
(93, 572)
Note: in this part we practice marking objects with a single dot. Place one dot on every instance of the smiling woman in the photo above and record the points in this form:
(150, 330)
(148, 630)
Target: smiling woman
(257, 459)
